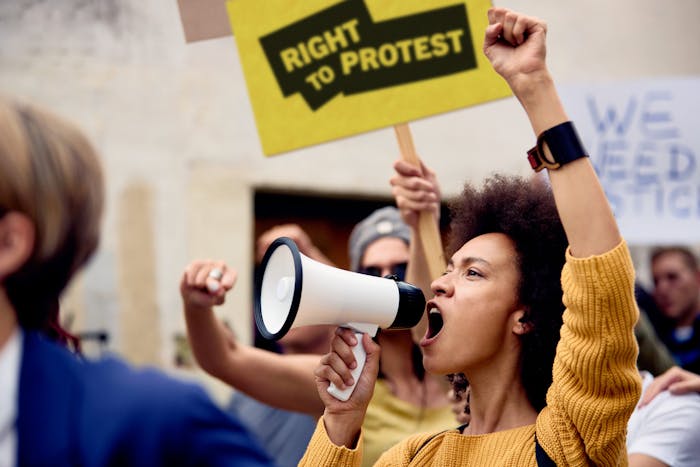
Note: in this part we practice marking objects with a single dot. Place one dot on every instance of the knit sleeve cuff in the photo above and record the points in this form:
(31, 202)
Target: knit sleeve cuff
(614, 261)
(322, 452)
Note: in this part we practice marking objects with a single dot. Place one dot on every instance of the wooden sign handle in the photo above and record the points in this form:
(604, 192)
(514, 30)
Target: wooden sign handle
(427, 223)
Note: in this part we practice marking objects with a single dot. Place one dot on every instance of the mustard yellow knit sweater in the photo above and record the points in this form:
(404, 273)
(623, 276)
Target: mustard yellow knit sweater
(594, 390)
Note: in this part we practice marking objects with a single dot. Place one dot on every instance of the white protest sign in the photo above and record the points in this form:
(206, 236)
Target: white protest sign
(644, 140)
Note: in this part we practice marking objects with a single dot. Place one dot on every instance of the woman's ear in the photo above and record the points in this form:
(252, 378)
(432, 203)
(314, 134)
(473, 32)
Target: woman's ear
(521, 323)
(17, 237)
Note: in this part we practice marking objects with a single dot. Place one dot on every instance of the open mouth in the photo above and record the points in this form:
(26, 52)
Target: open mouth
(435, 322)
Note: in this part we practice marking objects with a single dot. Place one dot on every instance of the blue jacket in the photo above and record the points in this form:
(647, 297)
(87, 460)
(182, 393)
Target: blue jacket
(104, 413)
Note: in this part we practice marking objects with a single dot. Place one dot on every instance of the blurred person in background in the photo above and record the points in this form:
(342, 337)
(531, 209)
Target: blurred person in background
(57, 408)
(677, 294)
(663, 429)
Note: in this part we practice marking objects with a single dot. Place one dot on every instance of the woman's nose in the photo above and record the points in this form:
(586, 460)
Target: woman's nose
(441, 285)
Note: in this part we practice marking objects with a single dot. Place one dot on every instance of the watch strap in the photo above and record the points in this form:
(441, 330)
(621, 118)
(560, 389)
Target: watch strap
(564, 146)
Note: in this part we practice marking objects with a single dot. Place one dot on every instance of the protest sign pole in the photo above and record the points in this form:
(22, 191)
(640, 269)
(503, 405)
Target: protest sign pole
(427, 223)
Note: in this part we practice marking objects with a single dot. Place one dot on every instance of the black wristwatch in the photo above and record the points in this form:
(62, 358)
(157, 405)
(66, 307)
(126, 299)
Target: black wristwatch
(564, 146)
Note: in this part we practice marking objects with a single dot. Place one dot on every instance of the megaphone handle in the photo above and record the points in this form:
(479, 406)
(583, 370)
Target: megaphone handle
(360, 356)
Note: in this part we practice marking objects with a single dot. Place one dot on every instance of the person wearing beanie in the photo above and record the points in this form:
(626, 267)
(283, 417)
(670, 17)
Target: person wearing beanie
(384, 222)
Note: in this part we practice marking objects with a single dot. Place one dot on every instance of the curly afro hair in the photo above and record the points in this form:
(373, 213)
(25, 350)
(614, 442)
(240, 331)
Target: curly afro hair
(524, 210)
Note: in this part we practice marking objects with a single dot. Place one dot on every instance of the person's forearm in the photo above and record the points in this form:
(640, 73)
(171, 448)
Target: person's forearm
(583, 208)
(209, 340)
(643, 460)
(282, 381)
(341, 430)
(538, 96)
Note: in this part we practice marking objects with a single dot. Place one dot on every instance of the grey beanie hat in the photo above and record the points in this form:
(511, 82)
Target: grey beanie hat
(384, 222)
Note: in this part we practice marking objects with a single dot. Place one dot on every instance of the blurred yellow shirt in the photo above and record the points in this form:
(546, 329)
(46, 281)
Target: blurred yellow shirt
(390, 420)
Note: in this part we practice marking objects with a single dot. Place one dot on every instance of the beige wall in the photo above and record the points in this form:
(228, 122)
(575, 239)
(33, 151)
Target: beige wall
(175, 128)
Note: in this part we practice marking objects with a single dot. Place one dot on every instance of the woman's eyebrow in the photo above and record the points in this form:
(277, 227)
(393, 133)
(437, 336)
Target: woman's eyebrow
(473, 259)
(468, 260)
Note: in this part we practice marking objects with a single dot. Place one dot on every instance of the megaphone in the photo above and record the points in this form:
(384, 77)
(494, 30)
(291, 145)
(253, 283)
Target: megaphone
(293, 290)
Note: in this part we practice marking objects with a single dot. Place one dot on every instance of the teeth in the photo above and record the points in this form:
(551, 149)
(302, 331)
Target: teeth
(435, 322)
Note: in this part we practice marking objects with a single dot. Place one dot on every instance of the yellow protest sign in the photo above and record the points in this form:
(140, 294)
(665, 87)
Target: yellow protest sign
(318, 70)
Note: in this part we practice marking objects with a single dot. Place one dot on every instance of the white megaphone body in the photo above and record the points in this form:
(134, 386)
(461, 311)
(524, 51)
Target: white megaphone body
(293, 290)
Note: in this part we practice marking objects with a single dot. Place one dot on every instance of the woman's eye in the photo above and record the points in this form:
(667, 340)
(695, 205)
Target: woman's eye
(473, 273)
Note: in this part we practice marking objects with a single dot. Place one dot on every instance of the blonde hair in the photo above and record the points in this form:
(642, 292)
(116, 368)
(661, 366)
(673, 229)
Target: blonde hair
(49, 172)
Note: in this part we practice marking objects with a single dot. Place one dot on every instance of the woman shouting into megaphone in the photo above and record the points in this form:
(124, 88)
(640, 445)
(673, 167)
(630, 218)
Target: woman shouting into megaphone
(277, 391)
(542, 331)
